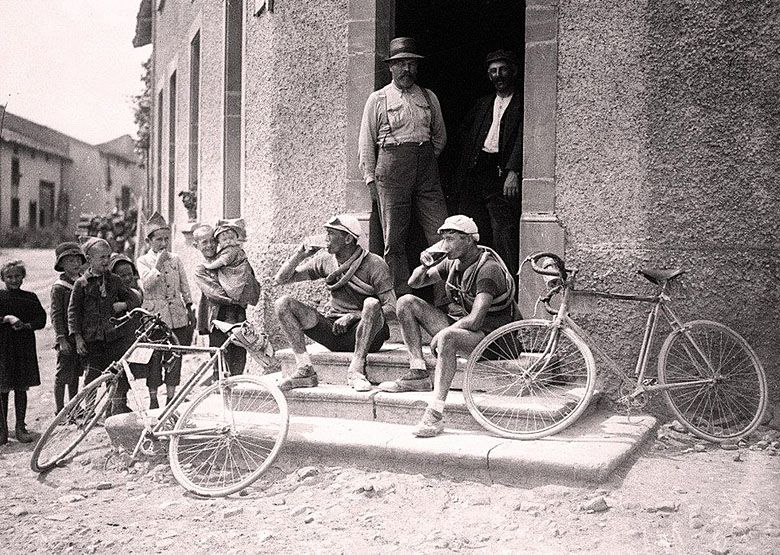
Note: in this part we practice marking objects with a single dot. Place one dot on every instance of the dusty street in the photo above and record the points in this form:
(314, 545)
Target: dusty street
(679, 497)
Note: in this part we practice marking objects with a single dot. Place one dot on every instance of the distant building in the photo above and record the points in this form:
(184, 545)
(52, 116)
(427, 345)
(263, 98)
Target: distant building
(650, 132)
(48, 178)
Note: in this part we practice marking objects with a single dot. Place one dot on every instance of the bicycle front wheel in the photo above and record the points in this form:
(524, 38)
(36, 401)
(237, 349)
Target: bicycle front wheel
(228, 436)
(719, 387)
(528, 379)
(73, 423)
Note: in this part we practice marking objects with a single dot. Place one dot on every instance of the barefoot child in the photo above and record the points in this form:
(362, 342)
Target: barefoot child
(69, 261)
(21, 314)
(234, 272)
(167, 293)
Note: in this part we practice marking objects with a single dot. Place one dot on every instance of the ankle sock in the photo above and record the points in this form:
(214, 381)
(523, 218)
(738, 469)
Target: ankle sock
(436, 406)
(302, 359)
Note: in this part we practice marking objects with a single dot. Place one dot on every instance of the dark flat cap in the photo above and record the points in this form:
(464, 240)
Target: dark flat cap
(501, 55)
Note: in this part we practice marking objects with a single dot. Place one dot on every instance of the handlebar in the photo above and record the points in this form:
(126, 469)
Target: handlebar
(122, 320)
(546, 269)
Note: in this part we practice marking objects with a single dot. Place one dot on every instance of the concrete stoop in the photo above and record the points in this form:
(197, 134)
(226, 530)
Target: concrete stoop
(588, 452)
(332, 424)
(389, 363)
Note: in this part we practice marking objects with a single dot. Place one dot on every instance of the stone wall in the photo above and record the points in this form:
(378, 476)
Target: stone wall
(667, 141)
(295, 131)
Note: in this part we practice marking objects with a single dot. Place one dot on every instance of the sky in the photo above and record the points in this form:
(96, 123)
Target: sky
(70, 65)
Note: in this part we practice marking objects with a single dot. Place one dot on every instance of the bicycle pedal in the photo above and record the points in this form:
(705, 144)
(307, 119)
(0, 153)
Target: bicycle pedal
(650, 381)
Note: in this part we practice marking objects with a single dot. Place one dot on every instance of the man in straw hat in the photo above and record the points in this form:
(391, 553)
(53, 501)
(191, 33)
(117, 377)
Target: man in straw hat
(401, 136)
(481, 296)
(167, 293)
(355, 318)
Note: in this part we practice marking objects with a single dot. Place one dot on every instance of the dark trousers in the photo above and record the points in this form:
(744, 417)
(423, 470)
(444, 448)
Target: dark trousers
(100, 355)
(407, 178)
(68, 373)
(497, 216)
(235, 356)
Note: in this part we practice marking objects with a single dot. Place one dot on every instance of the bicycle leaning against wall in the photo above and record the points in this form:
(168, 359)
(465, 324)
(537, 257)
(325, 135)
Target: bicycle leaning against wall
(533, 378)
(219, 442)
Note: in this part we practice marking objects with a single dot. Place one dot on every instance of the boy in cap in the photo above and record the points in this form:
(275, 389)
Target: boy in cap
(69, 261)
(167, 293)
(234, 272)
(98, 295)
(481, 296)
(355, 318)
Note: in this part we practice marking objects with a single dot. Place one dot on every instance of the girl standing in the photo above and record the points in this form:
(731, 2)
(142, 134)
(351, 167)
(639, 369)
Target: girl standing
(21, 314)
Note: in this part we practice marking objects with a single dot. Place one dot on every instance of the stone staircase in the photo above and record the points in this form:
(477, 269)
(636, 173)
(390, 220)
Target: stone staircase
(333, 424)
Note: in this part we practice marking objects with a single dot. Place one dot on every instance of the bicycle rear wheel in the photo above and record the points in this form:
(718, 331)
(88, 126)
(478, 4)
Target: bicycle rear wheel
(528, 380)
(73, 423)
(228, 436)
(732, 400)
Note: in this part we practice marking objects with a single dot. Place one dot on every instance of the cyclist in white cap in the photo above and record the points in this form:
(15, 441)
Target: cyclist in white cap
(355, 318)
(481, 295)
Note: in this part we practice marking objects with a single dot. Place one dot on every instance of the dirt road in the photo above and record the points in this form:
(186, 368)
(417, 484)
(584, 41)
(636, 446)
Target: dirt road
(679, 497)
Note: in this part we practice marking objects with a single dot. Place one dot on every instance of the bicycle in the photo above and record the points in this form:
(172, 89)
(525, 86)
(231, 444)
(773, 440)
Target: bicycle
(218, 443)
(533, 378)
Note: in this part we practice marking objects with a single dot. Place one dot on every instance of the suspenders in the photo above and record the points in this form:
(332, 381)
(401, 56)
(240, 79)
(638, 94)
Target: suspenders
(390, 125)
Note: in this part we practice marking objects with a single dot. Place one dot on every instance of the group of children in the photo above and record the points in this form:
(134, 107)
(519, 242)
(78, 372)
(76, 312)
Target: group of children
(93, 287)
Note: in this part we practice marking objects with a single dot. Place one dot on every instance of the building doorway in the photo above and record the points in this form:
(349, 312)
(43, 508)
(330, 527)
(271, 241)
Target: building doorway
(455, 36)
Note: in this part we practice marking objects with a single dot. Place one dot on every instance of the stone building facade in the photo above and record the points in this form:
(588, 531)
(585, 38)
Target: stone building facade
(650, 133)
(48, 178)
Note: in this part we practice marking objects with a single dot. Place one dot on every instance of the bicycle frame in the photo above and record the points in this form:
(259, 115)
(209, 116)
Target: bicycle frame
(659, 304)
(123, 365)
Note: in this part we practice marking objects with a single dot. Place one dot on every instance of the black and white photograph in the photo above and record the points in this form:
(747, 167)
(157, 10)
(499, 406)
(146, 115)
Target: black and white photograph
(390, 276)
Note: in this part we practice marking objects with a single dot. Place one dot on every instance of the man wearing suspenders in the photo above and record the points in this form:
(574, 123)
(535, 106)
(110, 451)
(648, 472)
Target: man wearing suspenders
(401, 136)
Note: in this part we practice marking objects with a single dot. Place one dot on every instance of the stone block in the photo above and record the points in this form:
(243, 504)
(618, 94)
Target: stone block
(124, 430)
(538, 196)
(541, 23)
(540, 90)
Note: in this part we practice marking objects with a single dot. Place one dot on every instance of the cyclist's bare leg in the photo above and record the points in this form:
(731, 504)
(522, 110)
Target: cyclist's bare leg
(414, 315)
(294, 317)
(371, 323)
(451, 341)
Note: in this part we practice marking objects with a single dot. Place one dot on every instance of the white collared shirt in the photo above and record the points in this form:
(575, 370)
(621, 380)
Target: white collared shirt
(499, 107)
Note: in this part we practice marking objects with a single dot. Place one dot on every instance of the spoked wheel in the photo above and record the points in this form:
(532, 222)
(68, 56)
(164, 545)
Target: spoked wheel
(527, 380)
(228, 436)
(73, 423)
(722, 391)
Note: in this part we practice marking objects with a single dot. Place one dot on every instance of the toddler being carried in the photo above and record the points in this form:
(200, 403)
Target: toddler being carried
(234, 272)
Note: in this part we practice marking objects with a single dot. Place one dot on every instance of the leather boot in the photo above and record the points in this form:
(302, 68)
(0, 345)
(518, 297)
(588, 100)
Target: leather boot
(20, 408)
(3, 418)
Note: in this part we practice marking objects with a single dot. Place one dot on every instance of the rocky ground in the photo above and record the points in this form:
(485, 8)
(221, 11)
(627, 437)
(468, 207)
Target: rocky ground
(679, 496)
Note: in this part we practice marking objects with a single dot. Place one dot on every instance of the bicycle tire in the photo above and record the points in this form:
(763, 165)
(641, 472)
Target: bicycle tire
(507, 401)
(728, 409)
(250, 422)
(73, 423)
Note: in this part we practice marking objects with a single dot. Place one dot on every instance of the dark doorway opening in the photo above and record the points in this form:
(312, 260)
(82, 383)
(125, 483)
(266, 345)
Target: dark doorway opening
(455, 36)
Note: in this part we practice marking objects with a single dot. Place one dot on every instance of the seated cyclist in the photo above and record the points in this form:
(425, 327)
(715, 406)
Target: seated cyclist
(481, 295)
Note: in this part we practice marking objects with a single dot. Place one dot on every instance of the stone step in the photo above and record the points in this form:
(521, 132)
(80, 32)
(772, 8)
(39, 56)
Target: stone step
(588, 452)
(391, 362)
(338, 401)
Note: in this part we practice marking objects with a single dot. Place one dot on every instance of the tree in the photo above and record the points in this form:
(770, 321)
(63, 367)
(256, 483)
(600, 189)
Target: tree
(142, 107)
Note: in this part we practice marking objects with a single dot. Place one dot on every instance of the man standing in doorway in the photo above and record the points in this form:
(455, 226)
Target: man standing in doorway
(492, 159)
(215, 304)
(401, 136)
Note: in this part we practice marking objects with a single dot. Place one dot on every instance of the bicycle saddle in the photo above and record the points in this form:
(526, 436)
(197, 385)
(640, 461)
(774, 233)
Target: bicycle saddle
(660, 276)
(225, 327)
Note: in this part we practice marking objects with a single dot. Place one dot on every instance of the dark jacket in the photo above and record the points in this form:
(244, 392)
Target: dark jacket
(475, 127)
(60, 299)
(90, 312)
(18, 356)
